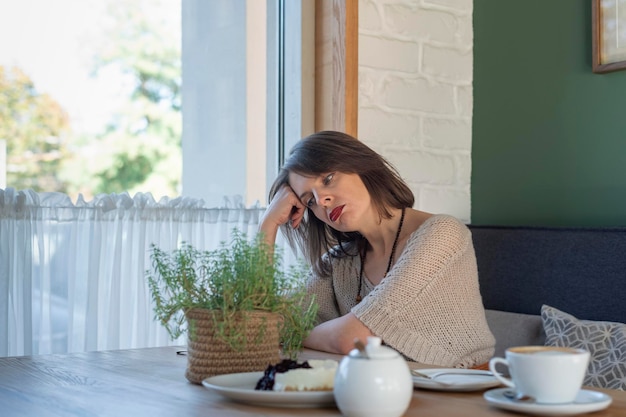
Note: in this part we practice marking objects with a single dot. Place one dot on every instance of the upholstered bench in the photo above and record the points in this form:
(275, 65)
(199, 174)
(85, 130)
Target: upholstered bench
(557, 286)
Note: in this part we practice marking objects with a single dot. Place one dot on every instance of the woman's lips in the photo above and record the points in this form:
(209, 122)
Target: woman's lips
(334, 215)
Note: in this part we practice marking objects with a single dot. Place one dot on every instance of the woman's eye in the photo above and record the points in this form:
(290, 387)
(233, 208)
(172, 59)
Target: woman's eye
(328, 178)
(310, 202)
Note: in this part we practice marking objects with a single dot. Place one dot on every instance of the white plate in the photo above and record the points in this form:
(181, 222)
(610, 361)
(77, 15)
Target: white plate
(457, 380)
(586, 401)
(240, 387)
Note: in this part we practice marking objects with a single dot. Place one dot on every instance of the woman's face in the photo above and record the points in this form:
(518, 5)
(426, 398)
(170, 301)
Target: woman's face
(336, 198)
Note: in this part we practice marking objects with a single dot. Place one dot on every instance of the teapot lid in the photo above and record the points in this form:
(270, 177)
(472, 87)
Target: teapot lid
(374, 350)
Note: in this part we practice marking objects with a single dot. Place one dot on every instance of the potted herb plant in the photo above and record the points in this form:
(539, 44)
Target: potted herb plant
(236, 304)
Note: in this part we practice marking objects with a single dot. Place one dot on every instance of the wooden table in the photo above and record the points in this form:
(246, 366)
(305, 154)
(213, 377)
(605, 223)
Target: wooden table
(151, 382)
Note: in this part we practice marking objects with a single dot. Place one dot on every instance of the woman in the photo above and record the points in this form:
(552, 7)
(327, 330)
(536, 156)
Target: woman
(379, 267)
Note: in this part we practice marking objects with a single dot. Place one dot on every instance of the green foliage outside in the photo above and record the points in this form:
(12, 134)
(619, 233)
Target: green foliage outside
(139, 150)
(35, 128)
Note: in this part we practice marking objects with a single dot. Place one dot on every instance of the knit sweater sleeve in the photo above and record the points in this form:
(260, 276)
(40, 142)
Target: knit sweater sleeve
(429, 306)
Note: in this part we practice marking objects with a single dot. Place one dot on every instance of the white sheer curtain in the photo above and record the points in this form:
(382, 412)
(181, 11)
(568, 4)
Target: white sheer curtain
(72, 276)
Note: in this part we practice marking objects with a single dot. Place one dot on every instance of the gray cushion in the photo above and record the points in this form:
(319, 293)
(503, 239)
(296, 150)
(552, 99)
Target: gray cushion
(514, 329)
(606, 341)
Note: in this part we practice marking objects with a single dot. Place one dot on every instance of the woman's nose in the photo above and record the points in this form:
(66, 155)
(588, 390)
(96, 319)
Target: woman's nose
(322, 199)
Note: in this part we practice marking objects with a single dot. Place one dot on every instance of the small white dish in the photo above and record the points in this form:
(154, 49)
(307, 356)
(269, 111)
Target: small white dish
(456, 380)
(240, 387)
(586, 401)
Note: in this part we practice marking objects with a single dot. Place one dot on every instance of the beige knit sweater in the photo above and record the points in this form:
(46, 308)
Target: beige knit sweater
(429, 306)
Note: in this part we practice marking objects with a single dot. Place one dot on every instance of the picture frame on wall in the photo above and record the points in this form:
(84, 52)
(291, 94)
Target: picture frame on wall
(609, 35)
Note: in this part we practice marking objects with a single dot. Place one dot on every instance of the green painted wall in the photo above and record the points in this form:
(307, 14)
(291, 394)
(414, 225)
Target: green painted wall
(549, 135)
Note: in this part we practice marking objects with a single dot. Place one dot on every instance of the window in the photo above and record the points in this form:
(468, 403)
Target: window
(244, 73)
(241, 88)
(76, 275)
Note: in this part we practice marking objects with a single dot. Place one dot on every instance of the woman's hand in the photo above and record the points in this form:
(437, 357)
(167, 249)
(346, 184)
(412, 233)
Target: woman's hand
(285, 207)
(337, 335)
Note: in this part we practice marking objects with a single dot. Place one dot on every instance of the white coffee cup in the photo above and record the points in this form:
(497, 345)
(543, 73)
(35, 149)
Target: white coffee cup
(550, 375)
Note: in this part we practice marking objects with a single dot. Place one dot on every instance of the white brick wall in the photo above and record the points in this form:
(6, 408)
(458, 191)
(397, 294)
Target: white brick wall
(415, 95)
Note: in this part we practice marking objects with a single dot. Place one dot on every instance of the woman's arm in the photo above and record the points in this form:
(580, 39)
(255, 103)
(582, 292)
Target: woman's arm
(337, 335)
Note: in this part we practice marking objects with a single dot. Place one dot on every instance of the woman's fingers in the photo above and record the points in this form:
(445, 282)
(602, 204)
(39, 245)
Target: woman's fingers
(286, 207)
(297, 213)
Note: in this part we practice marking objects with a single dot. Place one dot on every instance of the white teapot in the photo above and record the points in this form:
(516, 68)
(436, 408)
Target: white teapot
(374, 381)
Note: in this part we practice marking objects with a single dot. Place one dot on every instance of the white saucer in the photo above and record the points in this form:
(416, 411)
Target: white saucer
(456, 380)
(586, 401)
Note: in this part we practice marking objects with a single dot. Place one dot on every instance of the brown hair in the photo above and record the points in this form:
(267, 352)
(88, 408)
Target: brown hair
(329, 151)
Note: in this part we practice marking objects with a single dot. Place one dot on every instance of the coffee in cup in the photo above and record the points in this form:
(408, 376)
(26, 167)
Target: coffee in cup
(550, 375)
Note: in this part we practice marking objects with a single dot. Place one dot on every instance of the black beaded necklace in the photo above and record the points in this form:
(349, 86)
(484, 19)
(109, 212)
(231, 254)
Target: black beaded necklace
(363, 254)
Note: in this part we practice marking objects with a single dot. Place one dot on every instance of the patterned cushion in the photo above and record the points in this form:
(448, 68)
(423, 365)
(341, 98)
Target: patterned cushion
(606, 341)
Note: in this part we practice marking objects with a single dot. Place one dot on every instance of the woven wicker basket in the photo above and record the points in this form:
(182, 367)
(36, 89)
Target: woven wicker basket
(207, 355)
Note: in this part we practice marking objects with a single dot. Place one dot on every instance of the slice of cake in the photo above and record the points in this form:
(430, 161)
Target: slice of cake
(319, 377)
(288, 375)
